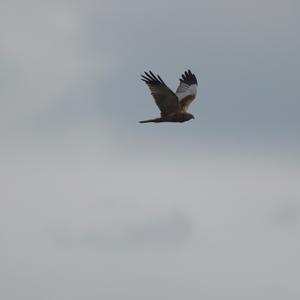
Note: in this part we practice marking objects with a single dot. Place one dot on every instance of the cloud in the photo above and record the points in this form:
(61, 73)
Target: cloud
(168, 231)
(46, 57)
(287, 214)
(113, 222)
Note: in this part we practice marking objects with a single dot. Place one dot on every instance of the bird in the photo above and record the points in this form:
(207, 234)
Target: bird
(173, 106)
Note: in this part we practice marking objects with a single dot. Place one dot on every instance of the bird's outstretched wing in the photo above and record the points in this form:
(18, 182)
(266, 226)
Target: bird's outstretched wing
(187, 89)
(165, 99)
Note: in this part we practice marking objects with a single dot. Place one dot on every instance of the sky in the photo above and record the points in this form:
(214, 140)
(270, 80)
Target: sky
(94, 205)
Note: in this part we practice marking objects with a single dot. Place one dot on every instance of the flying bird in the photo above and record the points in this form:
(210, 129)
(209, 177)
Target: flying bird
(173, 106)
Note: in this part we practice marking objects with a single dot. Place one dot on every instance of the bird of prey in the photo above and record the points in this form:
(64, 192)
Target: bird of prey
(173, 106)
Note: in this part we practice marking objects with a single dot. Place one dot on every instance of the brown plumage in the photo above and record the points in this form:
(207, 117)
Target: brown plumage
(173, 106)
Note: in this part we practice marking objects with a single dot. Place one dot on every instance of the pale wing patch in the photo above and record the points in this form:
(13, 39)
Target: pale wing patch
(185, 90)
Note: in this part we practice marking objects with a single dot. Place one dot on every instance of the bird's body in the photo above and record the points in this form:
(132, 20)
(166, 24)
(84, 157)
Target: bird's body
(173, 106)
(178, 117)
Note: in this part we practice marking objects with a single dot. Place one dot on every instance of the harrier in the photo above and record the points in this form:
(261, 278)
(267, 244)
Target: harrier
(173, 106)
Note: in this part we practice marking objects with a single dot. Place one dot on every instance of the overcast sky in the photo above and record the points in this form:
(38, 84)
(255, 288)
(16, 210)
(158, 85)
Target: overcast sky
(94, 205)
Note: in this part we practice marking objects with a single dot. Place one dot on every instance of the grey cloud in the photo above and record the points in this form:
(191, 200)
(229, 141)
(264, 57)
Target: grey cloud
(83, 62)
(287, 214)
(170, 230)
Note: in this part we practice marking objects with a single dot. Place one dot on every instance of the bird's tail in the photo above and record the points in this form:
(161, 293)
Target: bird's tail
(157, 120)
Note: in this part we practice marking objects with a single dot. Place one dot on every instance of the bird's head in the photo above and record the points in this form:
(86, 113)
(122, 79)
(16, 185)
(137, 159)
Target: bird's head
(187, 117)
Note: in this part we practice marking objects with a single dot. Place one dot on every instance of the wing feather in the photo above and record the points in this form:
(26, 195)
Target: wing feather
(187, 89)
(165, 98)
